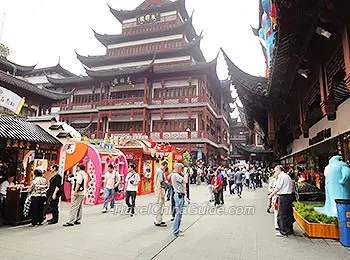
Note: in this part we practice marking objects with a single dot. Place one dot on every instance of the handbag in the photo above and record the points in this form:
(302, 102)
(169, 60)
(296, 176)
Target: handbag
(27, 206)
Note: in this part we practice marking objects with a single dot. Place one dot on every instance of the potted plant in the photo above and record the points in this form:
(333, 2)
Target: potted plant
(313, 223)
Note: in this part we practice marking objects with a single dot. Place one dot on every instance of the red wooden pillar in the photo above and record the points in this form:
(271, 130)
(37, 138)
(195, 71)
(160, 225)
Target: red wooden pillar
(98, 124)
(101, 85)
(346, 51)
(145, 91)
(163, 91)
(327, 103)
(304, 125)
(271, 126)
(144, 126)
(205, 87)
(205, 122)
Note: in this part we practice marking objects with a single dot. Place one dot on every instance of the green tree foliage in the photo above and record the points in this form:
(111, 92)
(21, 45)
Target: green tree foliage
(187, 159)
(4, 50)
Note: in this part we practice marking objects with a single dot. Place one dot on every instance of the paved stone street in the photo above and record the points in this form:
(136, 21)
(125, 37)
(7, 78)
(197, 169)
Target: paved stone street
(117, 236)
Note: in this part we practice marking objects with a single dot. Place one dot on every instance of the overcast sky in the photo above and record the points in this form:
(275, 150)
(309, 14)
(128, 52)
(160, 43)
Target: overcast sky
(41, 31)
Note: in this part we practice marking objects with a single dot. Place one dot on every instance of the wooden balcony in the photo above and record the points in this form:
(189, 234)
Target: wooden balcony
(80, 106)
(177, 100)
(122, 101)
(105, 102)
(124, 134)
(176, 135)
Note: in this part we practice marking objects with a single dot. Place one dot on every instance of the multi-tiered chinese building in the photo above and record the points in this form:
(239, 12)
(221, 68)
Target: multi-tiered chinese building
(303, 103)
(153, 81)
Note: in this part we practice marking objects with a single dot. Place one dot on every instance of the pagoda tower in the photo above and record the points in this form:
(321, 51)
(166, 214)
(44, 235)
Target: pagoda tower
(153, 81)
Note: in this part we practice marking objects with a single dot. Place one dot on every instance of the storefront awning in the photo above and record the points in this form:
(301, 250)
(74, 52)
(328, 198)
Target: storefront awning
(16, 129)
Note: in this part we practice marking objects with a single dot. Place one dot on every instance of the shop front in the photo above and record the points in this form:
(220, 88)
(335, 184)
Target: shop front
(140, 153)
(23, 147)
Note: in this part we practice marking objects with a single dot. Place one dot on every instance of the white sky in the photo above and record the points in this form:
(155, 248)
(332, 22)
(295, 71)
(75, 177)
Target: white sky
(41, 31)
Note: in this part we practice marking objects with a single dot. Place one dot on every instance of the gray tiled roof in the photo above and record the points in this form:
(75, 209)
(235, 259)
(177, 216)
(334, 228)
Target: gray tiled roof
(18, 129)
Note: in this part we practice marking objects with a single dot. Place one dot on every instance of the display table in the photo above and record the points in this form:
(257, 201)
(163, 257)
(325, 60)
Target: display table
(14, 208)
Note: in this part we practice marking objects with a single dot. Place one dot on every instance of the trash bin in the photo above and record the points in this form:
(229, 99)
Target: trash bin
(343, 208)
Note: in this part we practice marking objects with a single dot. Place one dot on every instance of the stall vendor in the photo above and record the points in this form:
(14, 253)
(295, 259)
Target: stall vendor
(4, 186)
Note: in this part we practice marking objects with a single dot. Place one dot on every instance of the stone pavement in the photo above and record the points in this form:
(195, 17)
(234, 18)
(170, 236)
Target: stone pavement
(207, 236)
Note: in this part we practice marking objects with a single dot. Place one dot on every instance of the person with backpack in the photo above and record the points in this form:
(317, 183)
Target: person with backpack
(54, 193)
(79, 187)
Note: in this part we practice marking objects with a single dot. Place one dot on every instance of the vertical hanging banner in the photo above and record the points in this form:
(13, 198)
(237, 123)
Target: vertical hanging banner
(11, 101)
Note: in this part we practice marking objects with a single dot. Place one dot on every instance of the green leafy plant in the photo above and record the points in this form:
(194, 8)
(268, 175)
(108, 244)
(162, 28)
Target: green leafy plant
(4, 50)
(308, 212)
(187, 159)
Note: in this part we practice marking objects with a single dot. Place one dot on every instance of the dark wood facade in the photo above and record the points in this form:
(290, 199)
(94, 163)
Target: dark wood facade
(153, 81)
(308, 83)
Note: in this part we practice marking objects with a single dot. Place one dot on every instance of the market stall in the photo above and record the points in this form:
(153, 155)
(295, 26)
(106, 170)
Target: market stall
(142, 154)
(23, 147)
(119, 161)
(96, 160)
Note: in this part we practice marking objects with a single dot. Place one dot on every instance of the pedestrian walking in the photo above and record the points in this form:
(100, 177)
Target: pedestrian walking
(221, 175)
(246, 176)
(54, 193)
(111, 180)
(159, 187)
(179, 180)
(38, 196)
(209, 178)
(239, 179)
(168, 177)
(231, 180)
(284, 189)
(217, 184)
(79, 186)
(132, 181)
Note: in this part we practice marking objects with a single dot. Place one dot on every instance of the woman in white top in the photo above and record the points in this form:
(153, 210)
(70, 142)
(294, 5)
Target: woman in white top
(38, 196)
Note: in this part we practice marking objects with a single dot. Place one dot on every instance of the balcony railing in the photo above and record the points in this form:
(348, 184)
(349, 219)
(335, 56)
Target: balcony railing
(177, 100)
(105, 102)
(176, 135)
(124, 134)
(79, 106)
(122, 101)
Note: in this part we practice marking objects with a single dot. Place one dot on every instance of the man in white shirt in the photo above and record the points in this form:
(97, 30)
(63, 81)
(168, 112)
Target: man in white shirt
(79, 186)
(159, 187)
(132, 181)
(284, 188)
(111, 179)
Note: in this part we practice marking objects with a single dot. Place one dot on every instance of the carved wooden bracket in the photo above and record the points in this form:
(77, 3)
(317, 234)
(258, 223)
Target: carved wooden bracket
(304, 127)
(329, 109)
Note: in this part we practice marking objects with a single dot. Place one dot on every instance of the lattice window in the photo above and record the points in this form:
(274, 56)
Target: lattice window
(175, 92)
(125, 126)
(179, 125)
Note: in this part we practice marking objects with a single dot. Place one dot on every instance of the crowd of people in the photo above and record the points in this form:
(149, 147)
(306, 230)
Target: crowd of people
(170, 185)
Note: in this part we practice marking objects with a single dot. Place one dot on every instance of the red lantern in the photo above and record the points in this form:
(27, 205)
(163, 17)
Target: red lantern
(162, 147)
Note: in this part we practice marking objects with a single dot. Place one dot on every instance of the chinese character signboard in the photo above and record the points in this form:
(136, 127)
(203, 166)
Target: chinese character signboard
(148, 18)
(16, 144)
(10, 100)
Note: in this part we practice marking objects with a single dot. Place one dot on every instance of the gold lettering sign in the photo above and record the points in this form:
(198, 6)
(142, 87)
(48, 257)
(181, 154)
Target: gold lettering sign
(18, 144)
(148, 18)
(348, 224)
(348, 214)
